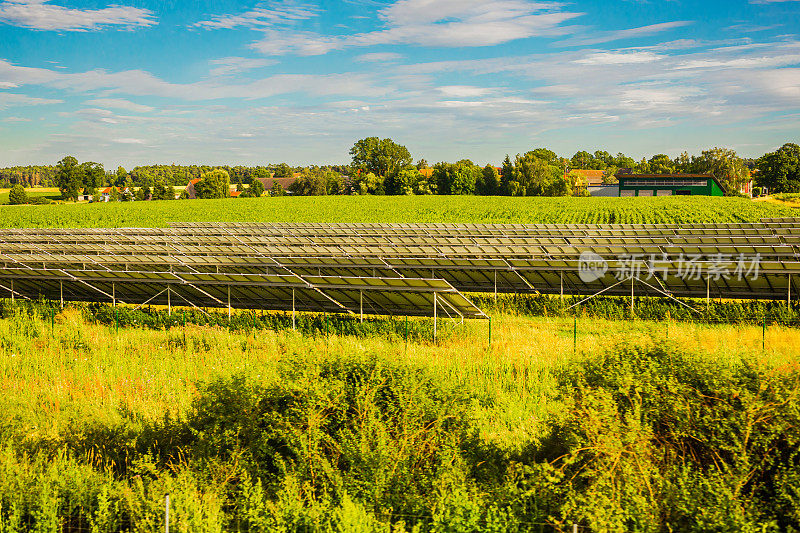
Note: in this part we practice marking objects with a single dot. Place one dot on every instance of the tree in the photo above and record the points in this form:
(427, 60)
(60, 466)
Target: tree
(489, 183)
(160, 191)
(368, 183)
(256, 188)
(277, 189)
(538, 176)
(283, 171)
(213, 184)
(507, 177)
(456, 178)
(382, 157)
(581, 160)
(17, 195)
(728, 168)
(122, 177)
(407, 181)
(93, 177)
(779, 171)
(661, 164)
(69, 177)
(310, 183)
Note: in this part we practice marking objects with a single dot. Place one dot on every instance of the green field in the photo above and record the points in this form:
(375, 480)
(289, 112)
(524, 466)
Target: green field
(50, 194)
(462, 209)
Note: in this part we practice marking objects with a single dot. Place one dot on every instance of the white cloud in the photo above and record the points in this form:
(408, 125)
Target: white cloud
(12, 100)
(434, 23)
(618, 58)
(233, 65)
(463, 91)
(379, 57)
(276, 15)
(120, 103)
(41, 15)
(598, 37)
(7, 85)
(142, 83)
(16, 119)
(128, 140)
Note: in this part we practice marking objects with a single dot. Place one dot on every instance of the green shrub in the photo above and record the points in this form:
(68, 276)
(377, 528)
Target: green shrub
(17, 195)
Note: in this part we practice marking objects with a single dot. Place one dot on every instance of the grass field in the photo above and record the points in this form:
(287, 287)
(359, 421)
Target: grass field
(46, 192)
(461, 209)
(275, 431)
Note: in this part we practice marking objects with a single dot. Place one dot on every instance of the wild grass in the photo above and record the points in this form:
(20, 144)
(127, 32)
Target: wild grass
(273, 430)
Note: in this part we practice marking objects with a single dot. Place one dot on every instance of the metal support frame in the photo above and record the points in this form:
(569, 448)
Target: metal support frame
(632, 279)
(294, 324)
(361, 305)
(169, 302)
(156, 295)
(61, 292)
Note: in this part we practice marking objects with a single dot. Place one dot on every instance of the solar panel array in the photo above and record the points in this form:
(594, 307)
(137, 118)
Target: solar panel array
(396, 269)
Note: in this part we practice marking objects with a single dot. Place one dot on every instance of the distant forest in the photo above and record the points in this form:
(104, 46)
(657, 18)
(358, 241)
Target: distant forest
(381, 166)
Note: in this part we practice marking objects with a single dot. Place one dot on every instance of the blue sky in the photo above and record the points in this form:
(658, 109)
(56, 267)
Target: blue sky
(223, 82)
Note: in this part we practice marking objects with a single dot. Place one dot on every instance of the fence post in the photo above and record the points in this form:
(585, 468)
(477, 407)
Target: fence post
(490, 332)
(575, 335)
(166, 513)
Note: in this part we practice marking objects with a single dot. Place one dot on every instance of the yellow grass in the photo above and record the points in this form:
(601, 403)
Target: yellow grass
(78, 371)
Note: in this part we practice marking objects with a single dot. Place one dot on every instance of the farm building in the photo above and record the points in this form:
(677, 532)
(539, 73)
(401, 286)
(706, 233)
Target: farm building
(668, 185)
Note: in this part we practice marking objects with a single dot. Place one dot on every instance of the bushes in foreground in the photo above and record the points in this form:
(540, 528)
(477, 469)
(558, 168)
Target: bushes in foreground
(646, 440)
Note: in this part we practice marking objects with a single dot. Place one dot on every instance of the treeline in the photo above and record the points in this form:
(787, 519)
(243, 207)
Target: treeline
(381, 166)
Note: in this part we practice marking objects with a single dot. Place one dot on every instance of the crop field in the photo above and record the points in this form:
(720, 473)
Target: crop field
(611, 425)
(46, 192)
(458, 209)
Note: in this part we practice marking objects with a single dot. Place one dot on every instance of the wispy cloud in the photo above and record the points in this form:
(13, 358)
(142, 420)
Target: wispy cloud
(617, 35)
(12, 100)
(119, 103)
(433, 23)
(233, 65)
(41, 15)
(379, 57)
(275, 15)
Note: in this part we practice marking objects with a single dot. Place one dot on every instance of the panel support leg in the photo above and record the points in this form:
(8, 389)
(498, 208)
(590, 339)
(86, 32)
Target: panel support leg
(632, 280)
(61, 292)
(229, 303)
(561, 280)
(294, 325)
(361, 305)
(495, 286)
(708, 292)
(113, 294)
(169, 302)
(12, 291)
(789, 293)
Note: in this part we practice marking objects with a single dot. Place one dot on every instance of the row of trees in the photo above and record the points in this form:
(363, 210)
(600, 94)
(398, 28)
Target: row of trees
(384, 167)
(381, 166)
